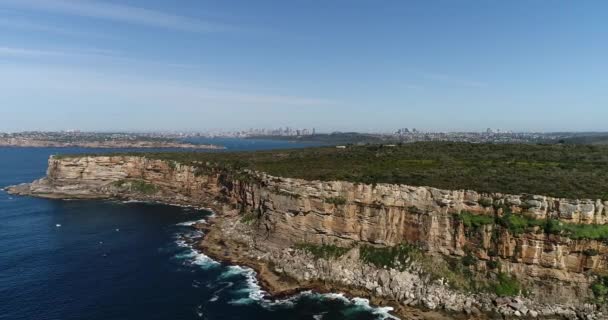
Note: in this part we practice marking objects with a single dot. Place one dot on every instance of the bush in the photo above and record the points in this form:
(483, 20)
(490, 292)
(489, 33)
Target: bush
(493, 264)
(469, 260)
(324, 251)
(485, 202)
(600, 288)
(518, 224)
(590, 252)
(506, 285)
(143, 187)
(336, 200)
(397, 257)
(578, 231)
(249, 217)
(474, 221)
(140, 186)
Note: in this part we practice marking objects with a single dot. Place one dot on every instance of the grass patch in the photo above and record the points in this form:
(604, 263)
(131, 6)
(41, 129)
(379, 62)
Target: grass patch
(323, 251)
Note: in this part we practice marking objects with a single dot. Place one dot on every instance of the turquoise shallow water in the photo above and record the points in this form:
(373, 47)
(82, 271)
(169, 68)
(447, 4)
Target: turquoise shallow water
(113, 260)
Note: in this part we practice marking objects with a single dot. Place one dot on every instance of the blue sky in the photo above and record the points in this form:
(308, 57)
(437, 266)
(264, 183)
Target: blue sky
(334, 65)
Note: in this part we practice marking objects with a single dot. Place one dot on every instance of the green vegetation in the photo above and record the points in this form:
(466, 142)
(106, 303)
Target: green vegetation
(493, 264)
(397, 257)
(590, 252)
(561, 170)
(249, 218)
(600, 289)
(506, 285)
(455, 271)
(336, 200)
(474, 221)
(518, 224)
(578, 231)
(458, 272)
(324, 251)
(136, 186)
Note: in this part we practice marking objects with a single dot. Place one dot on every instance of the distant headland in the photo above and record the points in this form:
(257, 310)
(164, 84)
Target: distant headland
(96, 140)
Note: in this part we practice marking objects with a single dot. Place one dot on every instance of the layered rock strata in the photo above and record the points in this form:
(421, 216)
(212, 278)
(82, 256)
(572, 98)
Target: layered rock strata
(555, 271)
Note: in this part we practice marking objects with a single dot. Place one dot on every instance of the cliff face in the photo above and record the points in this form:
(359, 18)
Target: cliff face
(554, 269)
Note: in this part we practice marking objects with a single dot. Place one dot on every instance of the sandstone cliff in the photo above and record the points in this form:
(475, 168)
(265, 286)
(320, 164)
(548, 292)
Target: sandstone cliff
(553, 269)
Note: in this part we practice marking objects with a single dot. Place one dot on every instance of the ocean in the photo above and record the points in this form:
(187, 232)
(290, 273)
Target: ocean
(127, 260)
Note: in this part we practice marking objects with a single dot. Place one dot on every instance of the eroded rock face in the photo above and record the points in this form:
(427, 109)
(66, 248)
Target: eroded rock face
(555, 269)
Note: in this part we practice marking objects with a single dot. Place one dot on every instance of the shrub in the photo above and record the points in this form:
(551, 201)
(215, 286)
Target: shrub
(336, 200)
(518, 224)
(397, 257)
(249, 217)
(469, 260)
(590, 252)
(493, 264)
(140, 186)
(506, 285)
(474, 221)
(143, 187)
(578, 231)
(324, 251)
(485, 202)
(600, 288)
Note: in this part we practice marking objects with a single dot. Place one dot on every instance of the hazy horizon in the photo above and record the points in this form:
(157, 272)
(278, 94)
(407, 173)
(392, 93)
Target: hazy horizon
(336, 66)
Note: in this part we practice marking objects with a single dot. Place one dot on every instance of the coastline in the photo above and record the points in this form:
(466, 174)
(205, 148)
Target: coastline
(279, 286)
(261, 221)
(228, 251)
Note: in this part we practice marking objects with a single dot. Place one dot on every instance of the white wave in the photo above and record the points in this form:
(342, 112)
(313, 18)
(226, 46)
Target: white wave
(199, 311)
(195, 257)
(382, 312)
(253, 289)
(255, 293)
(335, 296)
(191, 223)
(135, 201)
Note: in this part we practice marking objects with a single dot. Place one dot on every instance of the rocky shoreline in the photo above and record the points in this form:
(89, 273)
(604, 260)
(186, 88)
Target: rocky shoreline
(225, 248)
(261, 220)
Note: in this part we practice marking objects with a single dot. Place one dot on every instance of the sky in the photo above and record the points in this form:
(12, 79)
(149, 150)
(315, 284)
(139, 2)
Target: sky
(362, 65)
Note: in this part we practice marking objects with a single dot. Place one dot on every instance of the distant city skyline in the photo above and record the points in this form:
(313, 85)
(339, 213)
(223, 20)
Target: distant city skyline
(450, 66)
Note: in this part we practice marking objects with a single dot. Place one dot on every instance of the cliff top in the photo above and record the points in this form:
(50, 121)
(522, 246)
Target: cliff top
(569, 171)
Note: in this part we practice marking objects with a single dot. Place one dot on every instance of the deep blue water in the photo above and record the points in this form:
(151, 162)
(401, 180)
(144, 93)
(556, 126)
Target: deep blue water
(110, 260)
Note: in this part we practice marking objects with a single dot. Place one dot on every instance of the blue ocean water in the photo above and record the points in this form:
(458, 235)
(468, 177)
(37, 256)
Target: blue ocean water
(112, 260)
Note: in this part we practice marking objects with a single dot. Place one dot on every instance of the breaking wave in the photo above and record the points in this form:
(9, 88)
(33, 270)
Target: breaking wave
(248, 291)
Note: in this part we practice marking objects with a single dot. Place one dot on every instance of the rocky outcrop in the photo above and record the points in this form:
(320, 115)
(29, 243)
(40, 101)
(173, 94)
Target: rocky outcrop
(553, 269)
